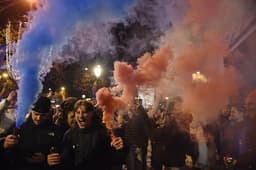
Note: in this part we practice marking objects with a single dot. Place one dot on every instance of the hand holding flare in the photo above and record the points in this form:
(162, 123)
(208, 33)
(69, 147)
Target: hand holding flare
(109, 105)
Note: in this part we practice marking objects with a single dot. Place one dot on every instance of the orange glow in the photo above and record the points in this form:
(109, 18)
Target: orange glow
(31, 1)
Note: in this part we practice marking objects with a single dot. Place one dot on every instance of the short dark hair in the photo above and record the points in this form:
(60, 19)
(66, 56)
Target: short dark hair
(68, 105)
(88, 105)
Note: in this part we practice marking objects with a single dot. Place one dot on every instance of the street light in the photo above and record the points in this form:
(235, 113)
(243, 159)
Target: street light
(83, 96)
(97, 71)
(11, 3)
(62, 88)
(5, 75)
(199, 77)
(31, 2)
(63, 93)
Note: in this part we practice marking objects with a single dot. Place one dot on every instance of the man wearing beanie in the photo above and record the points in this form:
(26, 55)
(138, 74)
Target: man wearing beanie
(37, 137)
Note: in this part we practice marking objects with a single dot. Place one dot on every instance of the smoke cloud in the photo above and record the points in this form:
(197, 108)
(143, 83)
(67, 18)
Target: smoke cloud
(200, 43)
(146, 22)
(88, 40)
(200, 39)
(50, 27)
(109, 105)
(148, 73)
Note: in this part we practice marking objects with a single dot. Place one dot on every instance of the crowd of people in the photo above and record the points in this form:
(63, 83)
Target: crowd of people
(42, 143)
(73, 136)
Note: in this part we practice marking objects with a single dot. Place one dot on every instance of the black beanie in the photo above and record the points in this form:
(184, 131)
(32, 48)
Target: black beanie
(42, 105)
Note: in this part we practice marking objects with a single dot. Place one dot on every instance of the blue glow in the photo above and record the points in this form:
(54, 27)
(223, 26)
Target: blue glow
(51, 25)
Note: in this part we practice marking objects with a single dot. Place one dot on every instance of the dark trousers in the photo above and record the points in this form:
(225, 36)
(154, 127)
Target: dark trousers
(136, 158)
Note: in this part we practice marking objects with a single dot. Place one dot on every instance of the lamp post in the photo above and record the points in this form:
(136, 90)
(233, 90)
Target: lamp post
(63, 93)
(97, 72)
(5, 75)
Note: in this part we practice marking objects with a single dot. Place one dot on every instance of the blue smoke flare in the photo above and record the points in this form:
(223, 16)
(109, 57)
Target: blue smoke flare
(51, 25)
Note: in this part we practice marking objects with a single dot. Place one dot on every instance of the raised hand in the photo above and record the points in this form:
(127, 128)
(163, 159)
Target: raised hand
(10, 141)
(117, 143)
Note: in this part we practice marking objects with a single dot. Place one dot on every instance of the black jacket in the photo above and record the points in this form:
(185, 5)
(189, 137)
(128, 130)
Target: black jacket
(36, 138)
(87, 149)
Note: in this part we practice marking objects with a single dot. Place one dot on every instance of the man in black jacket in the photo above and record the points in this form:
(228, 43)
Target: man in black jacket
(35, 138)
(136, 137)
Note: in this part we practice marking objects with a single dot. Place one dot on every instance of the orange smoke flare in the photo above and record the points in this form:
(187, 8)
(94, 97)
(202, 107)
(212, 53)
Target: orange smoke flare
(150, 70)
(109, 104)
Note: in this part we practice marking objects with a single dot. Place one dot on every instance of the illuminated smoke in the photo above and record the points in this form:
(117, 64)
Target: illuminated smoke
(200, 43)
(200, 38)
(88, 40)
(251, 97)
(148, 73)
(146, 21)
(51, 26)
(109, 104)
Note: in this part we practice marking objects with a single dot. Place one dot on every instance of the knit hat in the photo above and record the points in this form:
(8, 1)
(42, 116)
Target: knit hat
(42, 105)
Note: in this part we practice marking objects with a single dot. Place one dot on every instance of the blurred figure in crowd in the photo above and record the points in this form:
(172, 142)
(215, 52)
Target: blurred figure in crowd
(66, 119)
(247, 159)
(136, 137)
(179, 143)
(234, 139)
(8, 112)
(7, 123)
